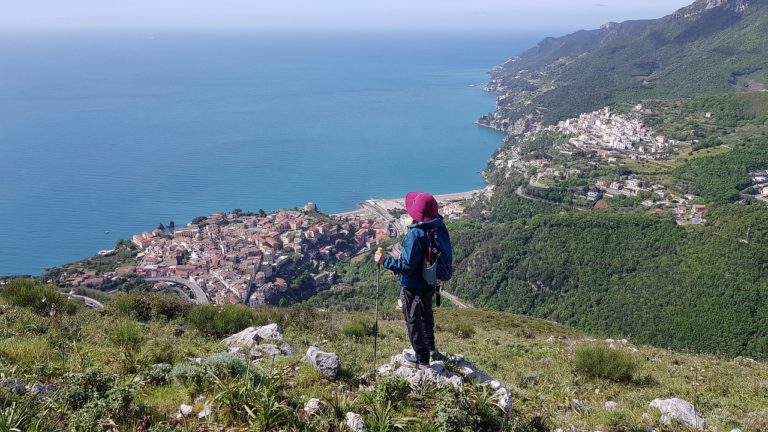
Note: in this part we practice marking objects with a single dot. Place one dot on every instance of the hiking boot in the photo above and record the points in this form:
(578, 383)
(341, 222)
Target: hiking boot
(436, 355)
(414, 364)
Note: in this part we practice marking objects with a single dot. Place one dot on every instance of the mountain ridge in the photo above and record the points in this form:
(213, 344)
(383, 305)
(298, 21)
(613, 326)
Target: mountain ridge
(689, 52)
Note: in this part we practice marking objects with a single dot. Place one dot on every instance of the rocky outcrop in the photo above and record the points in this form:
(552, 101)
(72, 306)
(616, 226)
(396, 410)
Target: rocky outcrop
(247, 343)
(438, 374)
(679, 410)
(13, 385)
(18, 387)
(327, 363)
(254, 335)
(355, 422)
(313, 406)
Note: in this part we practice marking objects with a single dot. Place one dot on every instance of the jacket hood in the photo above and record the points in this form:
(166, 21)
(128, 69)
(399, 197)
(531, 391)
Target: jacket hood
(421, 206)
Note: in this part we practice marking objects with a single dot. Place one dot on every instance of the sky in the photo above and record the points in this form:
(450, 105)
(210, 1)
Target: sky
(329, 15)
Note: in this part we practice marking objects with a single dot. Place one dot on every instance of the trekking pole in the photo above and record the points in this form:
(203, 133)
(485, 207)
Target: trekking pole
(376, 322)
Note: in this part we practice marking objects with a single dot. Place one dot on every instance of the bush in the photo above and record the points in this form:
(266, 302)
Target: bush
(393, 390)
(126, 333)
(43, 299)
(191, 375)
(81, 388)
(149, 306)
(599, 361)
(453, 412)
(225, 364)
(159, 374)
(358, 328)
(220, 321)
(117, 405)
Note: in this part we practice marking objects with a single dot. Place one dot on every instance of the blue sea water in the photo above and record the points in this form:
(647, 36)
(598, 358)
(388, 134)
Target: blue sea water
(106, 135)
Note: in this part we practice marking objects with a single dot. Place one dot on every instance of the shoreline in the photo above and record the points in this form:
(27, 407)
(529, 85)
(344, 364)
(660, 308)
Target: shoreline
(392, 203)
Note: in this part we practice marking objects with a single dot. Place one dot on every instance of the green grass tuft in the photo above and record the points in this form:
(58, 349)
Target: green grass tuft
(600, 361)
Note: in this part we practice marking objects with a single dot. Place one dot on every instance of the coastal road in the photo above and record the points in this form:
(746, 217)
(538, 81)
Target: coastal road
(178, 291)
(199, 294)
(521, 194)
(89, 302)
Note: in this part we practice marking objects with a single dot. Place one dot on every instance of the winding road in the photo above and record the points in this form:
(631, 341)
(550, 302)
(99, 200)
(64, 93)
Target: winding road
(199, 294)
(89, 302)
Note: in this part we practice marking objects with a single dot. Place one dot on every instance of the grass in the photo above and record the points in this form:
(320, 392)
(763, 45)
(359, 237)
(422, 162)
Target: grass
(43, 299)
(538, 360)
(600, 361)
(25, 352)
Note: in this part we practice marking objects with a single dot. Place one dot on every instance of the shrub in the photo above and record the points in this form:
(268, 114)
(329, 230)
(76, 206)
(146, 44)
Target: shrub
(149, 306)
(225, 364)
(453, 412)
(220, 321)
(301, 316)
(43, 299)
(81, 388)
(159, 374)
(358, 328)
(191, 375)
(393, 390)
(126, 333)
(602, 362)
(117, 405)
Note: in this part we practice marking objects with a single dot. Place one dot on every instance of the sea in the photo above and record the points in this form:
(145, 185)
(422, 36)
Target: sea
(107, 134)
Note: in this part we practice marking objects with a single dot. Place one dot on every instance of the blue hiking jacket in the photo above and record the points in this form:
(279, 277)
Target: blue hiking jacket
(410, 263)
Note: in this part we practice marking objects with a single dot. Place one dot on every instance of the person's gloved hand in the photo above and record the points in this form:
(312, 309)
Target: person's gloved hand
(378, 257)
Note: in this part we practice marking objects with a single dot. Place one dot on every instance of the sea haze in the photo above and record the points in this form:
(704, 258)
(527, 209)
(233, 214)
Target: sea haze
(106, 135)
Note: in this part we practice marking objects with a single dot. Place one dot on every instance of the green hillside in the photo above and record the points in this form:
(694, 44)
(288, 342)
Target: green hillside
(697, 50)
(131, 366)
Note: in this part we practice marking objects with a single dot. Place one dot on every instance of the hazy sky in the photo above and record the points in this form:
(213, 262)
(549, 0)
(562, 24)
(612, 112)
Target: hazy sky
(308, 15)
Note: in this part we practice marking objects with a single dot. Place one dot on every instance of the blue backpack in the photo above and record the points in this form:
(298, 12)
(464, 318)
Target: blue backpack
(438, 261)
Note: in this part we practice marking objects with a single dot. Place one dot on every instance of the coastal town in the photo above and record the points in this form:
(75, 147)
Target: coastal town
(608, 139)
(237, 258)
(252, 258)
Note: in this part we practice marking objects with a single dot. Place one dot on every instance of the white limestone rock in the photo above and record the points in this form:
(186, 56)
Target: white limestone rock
(611, 406)
(186, 410)
(327, 363)
(355, 422)
(252, 335)
(313, 406)
(438, 374)
(679, 410)
(41, 390)
(14, 386)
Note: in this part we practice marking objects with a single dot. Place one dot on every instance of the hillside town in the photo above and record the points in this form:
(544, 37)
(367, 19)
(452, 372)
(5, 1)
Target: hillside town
(603, 135)
(244, 257)
(608, 134)
(251, 258)
(236, 258)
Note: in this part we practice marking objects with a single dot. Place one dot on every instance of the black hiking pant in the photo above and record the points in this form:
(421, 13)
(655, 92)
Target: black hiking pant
(420, 321)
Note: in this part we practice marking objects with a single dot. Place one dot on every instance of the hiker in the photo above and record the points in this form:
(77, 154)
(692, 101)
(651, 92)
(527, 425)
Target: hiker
(416, 292)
